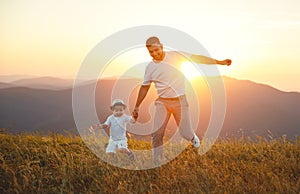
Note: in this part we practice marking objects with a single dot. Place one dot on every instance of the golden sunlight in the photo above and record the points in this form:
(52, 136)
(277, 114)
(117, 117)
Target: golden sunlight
(189, 70)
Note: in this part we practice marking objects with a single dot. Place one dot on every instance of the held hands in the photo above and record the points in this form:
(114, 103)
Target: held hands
(135, 113)
(133, 120)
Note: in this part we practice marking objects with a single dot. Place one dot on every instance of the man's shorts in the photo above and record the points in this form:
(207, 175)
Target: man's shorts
(116, 144)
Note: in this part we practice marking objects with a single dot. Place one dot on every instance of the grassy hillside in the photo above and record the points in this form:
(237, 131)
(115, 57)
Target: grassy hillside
(57, 164)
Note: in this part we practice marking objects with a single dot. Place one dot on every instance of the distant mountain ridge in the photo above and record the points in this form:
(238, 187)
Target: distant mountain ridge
(252, 109)
(11, 78)
(44, 83)
(6, 85)
(47, 82)
(261, 109)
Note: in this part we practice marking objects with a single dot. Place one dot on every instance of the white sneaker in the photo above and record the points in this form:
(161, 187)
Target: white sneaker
(195, 141)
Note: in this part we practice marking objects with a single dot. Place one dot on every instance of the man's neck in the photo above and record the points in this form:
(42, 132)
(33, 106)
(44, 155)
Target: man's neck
(161, 59)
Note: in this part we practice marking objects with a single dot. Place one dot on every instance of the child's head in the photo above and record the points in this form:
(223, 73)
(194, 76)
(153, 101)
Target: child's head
(118, 107)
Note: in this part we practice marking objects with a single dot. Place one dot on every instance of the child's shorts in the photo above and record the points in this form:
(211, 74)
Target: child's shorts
(114, 144)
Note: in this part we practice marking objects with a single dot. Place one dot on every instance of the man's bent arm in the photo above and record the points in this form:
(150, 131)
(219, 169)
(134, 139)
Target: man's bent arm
(142, 94)
(209, 61)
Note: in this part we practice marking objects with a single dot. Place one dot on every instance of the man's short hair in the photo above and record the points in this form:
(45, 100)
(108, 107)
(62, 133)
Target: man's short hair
(152, 40)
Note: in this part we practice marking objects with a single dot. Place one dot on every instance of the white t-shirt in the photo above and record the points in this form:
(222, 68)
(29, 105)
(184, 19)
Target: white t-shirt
(118, 126)
(166, 75)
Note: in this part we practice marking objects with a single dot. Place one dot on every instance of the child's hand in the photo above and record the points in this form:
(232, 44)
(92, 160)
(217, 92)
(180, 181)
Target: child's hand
(103, 126)
(92, 129)
(97, 126)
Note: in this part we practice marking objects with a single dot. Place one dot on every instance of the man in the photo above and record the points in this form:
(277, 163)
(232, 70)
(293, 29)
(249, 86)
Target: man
(164, 72)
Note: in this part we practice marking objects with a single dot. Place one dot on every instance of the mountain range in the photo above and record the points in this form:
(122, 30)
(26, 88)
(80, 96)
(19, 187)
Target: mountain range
(45, 104)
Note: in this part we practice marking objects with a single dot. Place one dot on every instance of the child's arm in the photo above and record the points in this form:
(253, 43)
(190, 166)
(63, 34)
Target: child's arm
(103, 126)
(100, 126)
(97, 126)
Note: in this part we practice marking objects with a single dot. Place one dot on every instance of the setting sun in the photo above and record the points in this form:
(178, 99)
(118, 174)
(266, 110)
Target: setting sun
(189, 70)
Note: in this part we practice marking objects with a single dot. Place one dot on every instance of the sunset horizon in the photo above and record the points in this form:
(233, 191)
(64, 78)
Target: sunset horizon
(16, 77)
(49, 39)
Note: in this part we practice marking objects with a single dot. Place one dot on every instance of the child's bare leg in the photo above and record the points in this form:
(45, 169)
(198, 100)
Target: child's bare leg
(128, 152)
(111, 156)
(124, 150)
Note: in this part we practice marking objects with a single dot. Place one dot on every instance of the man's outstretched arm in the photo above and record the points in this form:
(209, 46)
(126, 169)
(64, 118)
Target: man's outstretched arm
(142, 94)
(210, 61)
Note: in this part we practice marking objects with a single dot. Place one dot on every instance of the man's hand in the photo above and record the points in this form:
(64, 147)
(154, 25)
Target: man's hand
(135, 113)
(226, 62)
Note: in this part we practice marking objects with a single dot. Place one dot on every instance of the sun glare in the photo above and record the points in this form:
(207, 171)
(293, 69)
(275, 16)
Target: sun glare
(189, 70)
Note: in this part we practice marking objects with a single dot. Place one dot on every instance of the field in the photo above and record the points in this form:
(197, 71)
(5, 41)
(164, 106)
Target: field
(58, 164)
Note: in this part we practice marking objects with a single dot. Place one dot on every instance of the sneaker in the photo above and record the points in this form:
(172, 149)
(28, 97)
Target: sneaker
(195, 141)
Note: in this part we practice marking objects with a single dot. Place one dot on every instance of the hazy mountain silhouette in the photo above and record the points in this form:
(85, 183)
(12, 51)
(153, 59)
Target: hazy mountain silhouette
(256, 108)
(6, 85)
(51, 83)
(252, 109)
(11, 78)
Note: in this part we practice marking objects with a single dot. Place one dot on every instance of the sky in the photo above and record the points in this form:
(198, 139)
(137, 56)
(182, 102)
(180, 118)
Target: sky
(52, 38)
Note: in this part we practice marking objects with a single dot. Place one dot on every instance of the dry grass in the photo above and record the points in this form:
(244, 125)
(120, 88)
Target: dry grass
(57, 164)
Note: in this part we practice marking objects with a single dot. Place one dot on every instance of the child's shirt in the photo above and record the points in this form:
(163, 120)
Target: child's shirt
(118, 126)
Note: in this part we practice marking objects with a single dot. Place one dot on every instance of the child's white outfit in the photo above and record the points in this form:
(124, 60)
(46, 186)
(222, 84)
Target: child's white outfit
(117, 132)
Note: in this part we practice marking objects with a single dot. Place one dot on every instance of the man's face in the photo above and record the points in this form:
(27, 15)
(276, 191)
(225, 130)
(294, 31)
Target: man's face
(156, 52)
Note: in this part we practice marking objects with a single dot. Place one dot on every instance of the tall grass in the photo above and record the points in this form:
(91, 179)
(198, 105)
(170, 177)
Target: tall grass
(58, 164)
